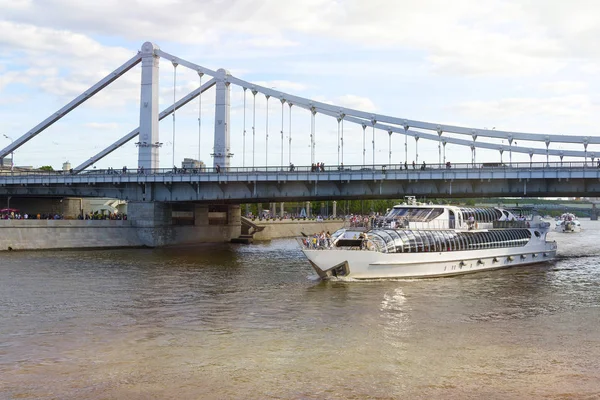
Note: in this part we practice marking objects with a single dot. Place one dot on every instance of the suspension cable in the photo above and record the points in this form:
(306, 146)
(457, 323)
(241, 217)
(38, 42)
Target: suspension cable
(364, 142)
(282, 103)
(338, 140)
(267, 134)
(290, 136)
(253, 126)
(200, 75)
(390, 149)
(342, 139)
(244, 134)
(373, 144)
(174, 100)
(312, 135)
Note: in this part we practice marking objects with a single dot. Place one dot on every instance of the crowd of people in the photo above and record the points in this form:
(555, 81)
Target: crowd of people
(318, 167)
(18, 215)
(87, 216)
(318, 240)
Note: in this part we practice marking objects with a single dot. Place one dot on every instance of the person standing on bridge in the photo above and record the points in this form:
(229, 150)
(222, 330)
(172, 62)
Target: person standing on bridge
(406, 165)
(414, 165)
(218, 168)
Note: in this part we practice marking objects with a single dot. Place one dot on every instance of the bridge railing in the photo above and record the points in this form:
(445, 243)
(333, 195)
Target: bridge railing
(304, 169)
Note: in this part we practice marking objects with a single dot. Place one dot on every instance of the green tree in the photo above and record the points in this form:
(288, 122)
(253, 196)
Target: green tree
(46, 168)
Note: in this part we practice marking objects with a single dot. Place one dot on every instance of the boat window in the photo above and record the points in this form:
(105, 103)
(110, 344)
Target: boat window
(462, 241)
(481, 242)
(476, 240)
(429, 245)
(496, 239)
(489, 215)
(492, 239)
(397, 242)
(451, 240)
(488, 240)
(436, 212)
(440, 237)
(537, 234)
(505, 238)
(405, 241)
(442, 240)
(409, 242)
(419, 241)
(377, 241)
(389, 240)
(431, 239)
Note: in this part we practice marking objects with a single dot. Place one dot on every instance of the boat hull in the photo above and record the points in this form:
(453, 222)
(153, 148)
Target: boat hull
(569, 229)
(362, 264)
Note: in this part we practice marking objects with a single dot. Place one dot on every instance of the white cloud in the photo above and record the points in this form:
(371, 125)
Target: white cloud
(102, 126)
(282, 85)
(356, 102)
(564, 87)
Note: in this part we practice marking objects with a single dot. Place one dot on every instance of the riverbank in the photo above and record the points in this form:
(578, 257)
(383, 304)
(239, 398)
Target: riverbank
(287, 228)
(34, 234)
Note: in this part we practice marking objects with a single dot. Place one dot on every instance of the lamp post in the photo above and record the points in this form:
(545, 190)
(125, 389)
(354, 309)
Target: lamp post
(12, 154)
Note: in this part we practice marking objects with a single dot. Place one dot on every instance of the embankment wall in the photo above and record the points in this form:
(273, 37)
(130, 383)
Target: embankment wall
(71, 234)
(292, 228)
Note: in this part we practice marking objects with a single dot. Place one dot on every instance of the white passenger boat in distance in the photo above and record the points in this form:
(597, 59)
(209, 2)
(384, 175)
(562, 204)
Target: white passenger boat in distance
(416, 240)
(567, 223)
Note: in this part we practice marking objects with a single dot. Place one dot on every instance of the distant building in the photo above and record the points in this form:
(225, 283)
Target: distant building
(5, 162)
(191, 163)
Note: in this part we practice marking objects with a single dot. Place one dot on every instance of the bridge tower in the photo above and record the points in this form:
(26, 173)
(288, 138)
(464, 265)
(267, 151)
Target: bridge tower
(221, 154)
(149, 142)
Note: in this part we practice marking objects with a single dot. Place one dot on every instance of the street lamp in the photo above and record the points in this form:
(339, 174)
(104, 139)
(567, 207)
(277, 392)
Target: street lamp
(12, 154)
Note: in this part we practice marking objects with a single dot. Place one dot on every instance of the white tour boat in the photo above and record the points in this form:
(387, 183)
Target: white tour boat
(567, 223)
(416, 240)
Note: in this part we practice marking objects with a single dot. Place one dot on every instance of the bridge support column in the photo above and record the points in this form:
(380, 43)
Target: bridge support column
(308, 213)
(281, 210)
(222, 107)
(200, 215)
(153, 221)
(234, 218)
(148, 138)
(273, 210)
(334, 210)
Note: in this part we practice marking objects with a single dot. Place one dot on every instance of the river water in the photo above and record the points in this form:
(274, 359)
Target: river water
(251, 322)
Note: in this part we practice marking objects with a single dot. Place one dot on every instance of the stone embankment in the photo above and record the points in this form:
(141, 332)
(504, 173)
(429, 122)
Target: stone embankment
(274, 229)
(35, 234)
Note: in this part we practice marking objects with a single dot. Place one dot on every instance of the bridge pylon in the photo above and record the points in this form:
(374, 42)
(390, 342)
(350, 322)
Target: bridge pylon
(148, 156)
(221, 152)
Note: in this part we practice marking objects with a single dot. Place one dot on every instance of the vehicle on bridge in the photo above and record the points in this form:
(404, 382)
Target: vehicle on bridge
(416, 240)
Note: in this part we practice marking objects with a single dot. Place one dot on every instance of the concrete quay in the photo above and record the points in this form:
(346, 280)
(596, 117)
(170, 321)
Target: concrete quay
(275, 229)
(149, 224)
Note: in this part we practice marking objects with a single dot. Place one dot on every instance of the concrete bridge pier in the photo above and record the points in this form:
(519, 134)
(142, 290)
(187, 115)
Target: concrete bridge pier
(154, 222)
(156, 226)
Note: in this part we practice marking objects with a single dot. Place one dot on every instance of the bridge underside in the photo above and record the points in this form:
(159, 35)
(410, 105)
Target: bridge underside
(237, 192)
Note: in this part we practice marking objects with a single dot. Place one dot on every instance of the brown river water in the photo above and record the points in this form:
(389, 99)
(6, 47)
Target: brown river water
(252, 322)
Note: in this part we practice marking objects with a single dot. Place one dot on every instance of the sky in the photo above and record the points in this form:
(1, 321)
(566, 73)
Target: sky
(528, 65)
